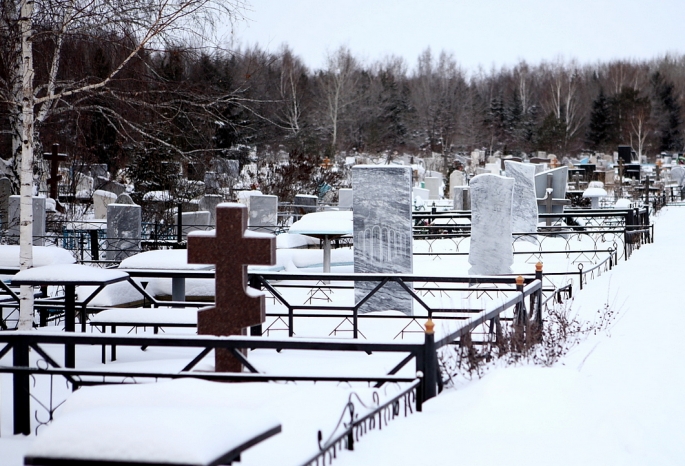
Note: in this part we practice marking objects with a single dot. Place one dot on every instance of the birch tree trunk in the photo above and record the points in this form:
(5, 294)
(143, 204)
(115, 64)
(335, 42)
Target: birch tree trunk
(26, 174)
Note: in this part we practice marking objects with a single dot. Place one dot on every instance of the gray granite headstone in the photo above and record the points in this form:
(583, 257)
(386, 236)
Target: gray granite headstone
(209, 203)
(345, 198)
(491, 252)
(5, 193)
(461, 200)
(212, 182)
(457, 178)
(524, 205)
(559, 183)
(110, 185)
(123, 230)
(101, 199)
(433, 185)
(304, 204)
(263, 212)
(124, 199)
(194, 221)
(38, 219)
(382, 232)
(98, 170)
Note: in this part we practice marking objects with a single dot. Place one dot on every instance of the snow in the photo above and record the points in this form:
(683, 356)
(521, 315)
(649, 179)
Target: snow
(292, 241)
(42, 256)
(174, 434)
(69, 273)
(167, 259)
(324, 223)
(616, 398)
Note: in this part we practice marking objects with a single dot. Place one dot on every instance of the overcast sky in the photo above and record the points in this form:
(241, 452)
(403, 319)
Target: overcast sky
(478, 32)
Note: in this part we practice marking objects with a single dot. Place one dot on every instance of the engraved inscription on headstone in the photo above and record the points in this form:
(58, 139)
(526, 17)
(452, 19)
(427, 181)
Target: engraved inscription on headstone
(382, 232)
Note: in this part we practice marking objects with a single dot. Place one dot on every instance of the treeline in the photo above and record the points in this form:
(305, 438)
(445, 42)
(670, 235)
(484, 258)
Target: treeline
(187, 105)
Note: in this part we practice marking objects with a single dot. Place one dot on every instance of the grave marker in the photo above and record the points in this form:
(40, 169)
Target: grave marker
(382, 232)
(491, 252)
(550, 189)
(5, 193)
(231, 248)
(123, 230)
(524, 204)
(55, 157)
(38, 218)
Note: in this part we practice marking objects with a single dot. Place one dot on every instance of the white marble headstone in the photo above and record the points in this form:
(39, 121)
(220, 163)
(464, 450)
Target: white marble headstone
(434, 187)
(457, 178)
(491, 251)
(524, 205)
(345, 198)
(263, 212)
(101, 199)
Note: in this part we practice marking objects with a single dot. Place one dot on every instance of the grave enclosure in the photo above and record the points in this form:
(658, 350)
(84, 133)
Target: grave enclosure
(386, 232)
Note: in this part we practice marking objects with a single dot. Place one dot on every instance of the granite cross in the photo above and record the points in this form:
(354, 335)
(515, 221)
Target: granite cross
(54, 159)
(231, 248)
(548, 201)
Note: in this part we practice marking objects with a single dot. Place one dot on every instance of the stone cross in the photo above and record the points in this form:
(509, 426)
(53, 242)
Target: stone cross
(548, 201)
(231, 248)
(54, 159)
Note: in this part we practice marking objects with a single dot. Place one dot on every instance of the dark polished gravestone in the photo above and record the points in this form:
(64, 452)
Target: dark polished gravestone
(232, 247)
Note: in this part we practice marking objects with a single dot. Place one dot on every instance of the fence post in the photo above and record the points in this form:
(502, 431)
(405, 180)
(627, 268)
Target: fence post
(179, 222)
(253, 281)
(94, 245)
(21, 388)
(538, 301)
(430, 362)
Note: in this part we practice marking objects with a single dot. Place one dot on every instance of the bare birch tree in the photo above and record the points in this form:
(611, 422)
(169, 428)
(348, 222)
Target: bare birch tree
(27, 24)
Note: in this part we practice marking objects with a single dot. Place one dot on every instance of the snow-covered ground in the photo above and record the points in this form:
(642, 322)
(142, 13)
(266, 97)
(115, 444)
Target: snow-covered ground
(614, 399)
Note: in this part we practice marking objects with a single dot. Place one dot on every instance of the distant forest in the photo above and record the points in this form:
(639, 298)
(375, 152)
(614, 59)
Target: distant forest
(183, 105)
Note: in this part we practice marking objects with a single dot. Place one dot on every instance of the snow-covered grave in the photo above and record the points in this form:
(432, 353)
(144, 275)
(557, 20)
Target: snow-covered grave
(303, 408)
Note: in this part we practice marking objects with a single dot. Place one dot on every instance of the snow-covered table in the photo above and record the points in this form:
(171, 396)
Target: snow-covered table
(170, 260)
(70, 276)
(325, 226)
(180, 422)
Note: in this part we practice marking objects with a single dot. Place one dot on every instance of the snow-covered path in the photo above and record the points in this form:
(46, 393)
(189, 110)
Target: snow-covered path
(613, 400)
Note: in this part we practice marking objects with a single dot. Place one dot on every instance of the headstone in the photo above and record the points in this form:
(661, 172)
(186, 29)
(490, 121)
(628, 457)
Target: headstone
(491, 252)
(38, 219)
(5, 193)
(101, 199)
(124, 199)
(212, 183)
(382, 232)
(554, 201)
(494, 167)
(263, 212)
(98, 170)
(434, 187)
(110, 185)
(54, 157)
(421, 193)
(194, 221)
(209, 203)
(475, 158)
(231, 249)
(460, 198)
(677, 175)
(345, 198)
(303, 204)
(84, 184)
(524, 205)
(123, 230)
(457, 178)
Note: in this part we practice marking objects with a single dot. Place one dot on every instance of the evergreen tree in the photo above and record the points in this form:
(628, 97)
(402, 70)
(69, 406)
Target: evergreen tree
(599, 129)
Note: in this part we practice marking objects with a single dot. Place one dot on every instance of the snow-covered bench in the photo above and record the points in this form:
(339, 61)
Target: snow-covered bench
(158, 317)
(188, 422)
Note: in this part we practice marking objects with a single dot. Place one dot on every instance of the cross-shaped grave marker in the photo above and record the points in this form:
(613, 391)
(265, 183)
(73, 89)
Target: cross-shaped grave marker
(548, 201)
(231, 248)
(54, 159)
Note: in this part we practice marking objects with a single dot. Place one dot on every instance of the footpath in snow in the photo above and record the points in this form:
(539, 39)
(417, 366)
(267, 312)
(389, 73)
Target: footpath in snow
(615, 399)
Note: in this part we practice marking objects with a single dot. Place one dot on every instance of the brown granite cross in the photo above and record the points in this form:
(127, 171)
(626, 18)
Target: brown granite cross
(54, 159)
(231, 248)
